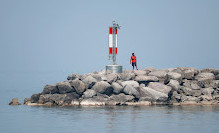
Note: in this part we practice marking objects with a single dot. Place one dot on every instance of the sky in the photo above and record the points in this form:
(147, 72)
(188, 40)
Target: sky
(71, 36)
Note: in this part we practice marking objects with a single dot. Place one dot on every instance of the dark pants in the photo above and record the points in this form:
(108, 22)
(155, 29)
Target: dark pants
(133, 63)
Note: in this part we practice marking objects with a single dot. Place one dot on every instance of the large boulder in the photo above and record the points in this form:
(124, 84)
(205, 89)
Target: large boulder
(89, 80)
(156, 95)
(50, 89)
(58, 99)
(207, 91)
(131, 90)
(131, 83)
(175, 98)
(117, 88)
(112, 77)
(127, 76)
(71, 99)
(140, 72)
(210, 83)
(217, 77)
(191, 84)
(174, 84)
(189, 74)
(215, 71)
(73, 76)
(160, 87)
(146, 79)
(64, 87)
(98, 77)
(189, 92)
(79, 86)
(175, 76)
(89, 93)
(209, 76)
(94, 101)
(35, 98)
(14, 101)
(158, 73)
(121, 98)
(103, 88)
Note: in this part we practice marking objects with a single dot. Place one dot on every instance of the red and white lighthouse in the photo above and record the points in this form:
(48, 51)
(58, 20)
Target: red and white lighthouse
(113, 50)
(111, 40)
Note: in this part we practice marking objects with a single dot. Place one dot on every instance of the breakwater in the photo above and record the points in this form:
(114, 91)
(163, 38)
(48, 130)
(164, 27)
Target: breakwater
(149, 86)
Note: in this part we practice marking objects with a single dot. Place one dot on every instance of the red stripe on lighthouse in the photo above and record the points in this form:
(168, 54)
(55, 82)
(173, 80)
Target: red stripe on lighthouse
(111, 50)
(111, 30)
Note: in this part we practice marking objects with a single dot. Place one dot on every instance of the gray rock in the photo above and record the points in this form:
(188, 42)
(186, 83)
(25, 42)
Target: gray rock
(174, 84)
(160, 87)
(217, 77)
(50, 89)
(131, 83)
(191, 84)
(207, 91)
(121, 98)
(131, 90)
(207, 70)
(94, 101)
(150, 69)
(89, 80)
(158, 73)
(209, 76)
(175, 76)
(140, 72)
(142, 85)
(175, 97)
(205, 97)
(187, 91)
(103, 88)
(58, 99)
(190, 92)
(156, 95)
(127, 76)
(89, 93)
(69, 97)
(73, 76)
(112, 77)
(64, 87)
(117, 88)
(26, 100)
(14, 101)
(98, 77)
(35, 97)
(189, 74)
(146, 79)
(215, 71)
(146, 98)
(79, 86)
(211, 83)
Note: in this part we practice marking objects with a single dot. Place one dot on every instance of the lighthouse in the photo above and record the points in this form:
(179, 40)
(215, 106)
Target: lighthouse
(113, 49)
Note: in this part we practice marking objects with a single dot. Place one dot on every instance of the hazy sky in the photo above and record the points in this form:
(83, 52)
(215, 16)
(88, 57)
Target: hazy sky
(72, 36)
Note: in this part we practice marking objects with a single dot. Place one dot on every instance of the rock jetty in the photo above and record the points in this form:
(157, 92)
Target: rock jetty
(149, 86)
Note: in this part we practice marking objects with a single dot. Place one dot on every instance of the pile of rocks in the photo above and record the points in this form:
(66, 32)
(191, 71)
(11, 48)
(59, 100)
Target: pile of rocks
(149, 86)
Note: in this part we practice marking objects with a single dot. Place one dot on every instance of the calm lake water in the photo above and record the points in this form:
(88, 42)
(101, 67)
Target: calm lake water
(152, 119)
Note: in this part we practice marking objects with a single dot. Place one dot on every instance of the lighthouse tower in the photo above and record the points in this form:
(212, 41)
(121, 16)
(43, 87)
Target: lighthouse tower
(113, 45)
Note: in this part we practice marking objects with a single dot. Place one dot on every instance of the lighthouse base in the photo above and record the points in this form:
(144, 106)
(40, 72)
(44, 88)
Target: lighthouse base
(113, 69)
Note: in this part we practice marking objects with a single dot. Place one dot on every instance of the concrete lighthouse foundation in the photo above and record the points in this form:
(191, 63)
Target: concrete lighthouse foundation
(113, 69)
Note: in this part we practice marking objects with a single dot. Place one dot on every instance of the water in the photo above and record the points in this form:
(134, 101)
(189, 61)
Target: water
(153, 119)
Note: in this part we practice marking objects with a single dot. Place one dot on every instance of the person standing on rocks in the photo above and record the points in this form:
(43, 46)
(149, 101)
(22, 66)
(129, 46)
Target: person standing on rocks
(133, 60)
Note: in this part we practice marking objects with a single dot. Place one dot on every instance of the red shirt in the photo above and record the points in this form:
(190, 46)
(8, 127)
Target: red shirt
(133, 58)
